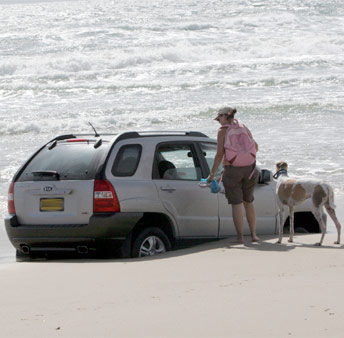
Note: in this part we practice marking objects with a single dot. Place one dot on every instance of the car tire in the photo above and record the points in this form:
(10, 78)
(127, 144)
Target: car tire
(301, 230)
(149, 242)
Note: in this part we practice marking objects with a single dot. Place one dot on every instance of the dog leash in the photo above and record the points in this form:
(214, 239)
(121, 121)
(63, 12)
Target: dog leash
(279, 173)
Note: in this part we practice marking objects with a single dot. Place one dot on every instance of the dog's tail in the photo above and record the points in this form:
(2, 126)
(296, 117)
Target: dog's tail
(330, 194)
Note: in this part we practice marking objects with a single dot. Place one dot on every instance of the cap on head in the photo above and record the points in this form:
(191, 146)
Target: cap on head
(229, 111)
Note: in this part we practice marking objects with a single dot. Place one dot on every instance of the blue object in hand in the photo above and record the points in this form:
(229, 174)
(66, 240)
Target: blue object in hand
(215, 187)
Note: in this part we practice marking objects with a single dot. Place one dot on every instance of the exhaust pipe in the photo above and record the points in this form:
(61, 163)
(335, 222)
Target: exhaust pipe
(82, 249)
(25, 249)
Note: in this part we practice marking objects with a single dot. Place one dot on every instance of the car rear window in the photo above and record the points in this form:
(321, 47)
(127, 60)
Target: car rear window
(65, 161)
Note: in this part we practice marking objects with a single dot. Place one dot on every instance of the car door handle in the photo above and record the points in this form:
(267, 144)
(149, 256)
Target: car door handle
(167, 188)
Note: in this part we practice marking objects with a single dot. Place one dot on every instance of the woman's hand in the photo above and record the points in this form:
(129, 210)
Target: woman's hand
(210, 178)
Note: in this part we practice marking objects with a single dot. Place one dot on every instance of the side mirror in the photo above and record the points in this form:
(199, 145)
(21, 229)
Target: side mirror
(265, 176)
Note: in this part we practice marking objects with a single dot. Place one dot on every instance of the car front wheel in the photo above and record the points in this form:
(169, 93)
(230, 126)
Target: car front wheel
(150, 242)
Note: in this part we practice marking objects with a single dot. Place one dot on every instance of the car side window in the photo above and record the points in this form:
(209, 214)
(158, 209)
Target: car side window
(127, 160)
(177, 162)
(209, 152)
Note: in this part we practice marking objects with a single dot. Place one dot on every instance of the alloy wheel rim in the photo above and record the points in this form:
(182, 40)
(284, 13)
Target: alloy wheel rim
(152, 245)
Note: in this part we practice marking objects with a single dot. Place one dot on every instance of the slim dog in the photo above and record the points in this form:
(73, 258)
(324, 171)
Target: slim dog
(291, 192)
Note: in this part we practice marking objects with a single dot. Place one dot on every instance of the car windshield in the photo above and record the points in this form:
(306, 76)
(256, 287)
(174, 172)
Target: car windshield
(65, 161)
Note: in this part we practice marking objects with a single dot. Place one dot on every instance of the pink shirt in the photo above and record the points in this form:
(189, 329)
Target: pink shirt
(221, 135)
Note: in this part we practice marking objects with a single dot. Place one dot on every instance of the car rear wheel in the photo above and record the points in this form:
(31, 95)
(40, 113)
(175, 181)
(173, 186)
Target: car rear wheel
(150, 242)
(301, 230)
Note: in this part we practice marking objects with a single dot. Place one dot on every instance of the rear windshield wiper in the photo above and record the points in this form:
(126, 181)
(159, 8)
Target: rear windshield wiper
(46, 173)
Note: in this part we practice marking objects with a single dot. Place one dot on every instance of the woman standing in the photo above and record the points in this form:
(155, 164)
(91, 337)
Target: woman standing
(238, 181)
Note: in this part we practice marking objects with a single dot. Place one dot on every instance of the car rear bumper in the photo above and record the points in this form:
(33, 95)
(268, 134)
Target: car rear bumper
(102, 231)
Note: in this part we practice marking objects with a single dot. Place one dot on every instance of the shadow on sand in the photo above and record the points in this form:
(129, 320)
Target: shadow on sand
(267, 243)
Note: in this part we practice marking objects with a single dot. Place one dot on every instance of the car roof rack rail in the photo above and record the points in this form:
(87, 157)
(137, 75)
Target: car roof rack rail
(135, 134)
(63, 137)
(69, 136)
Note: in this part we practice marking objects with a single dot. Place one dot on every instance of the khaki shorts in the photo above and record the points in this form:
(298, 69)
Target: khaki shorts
(238, 186)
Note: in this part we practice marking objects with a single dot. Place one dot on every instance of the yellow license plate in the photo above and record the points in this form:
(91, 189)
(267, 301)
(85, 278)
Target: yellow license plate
(51, 204)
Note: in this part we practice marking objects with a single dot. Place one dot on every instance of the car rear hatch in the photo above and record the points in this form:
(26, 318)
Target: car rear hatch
(56, 186)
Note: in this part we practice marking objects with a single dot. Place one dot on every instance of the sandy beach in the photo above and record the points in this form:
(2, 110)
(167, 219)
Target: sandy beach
(218, 289)
(95, 69)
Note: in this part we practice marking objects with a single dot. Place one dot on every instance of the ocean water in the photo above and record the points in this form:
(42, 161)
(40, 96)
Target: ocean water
(161, 65)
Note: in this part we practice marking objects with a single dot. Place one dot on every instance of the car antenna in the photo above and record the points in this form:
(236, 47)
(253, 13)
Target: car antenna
(95, 132)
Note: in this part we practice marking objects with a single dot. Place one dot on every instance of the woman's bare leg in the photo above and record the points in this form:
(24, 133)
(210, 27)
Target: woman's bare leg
(251, 220)
(238, 221)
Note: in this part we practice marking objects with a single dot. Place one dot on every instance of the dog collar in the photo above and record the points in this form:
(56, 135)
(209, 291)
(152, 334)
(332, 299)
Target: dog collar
(279, 173)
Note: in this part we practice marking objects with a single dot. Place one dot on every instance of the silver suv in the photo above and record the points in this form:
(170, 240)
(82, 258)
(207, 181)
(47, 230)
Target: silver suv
(135, 194)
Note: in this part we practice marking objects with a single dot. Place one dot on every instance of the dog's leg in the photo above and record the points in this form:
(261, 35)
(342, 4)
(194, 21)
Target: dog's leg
(332, 214)
(317, 212)
(291, 218)
(281, 214)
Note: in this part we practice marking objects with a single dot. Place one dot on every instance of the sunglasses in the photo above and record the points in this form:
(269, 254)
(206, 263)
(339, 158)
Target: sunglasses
(218, 117)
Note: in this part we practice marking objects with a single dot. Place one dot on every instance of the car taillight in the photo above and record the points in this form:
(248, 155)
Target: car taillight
(10, 202)
(77, 140)
(105, 198)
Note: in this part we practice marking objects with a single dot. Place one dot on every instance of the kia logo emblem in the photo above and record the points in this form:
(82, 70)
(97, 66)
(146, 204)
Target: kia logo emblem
(48, 188)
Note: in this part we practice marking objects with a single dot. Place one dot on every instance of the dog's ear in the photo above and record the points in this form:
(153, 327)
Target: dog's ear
(281, 165)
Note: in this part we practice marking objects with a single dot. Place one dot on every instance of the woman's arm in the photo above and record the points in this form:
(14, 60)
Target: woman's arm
(219, 153)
